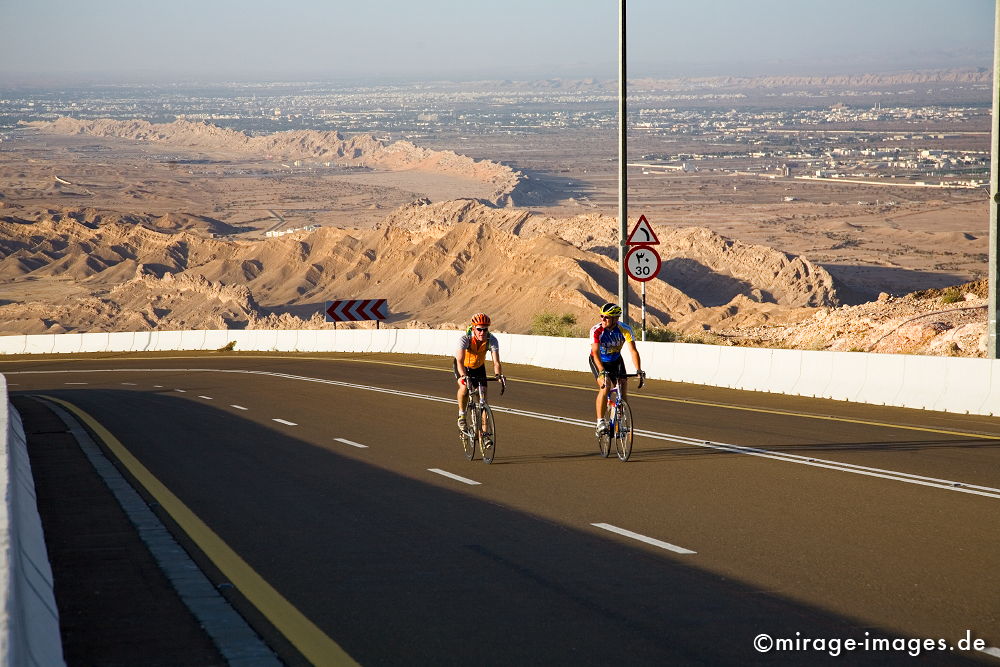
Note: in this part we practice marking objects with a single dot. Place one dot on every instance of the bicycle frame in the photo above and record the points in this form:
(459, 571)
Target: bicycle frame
(619, 418)
(479, 416)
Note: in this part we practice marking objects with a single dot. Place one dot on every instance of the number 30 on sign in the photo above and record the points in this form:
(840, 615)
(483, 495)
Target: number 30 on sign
(642, 263)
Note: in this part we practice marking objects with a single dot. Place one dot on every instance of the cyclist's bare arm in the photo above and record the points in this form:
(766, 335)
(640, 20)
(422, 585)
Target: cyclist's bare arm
(596, 356)
(635, 356)
(638, 362)
(497, 365)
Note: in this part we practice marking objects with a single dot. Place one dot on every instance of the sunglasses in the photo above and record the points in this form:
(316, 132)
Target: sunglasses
(605, 317)
(482, 328)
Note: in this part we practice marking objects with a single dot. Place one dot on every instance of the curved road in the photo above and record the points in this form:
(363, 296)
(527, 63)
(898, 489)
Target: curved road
(338, 480)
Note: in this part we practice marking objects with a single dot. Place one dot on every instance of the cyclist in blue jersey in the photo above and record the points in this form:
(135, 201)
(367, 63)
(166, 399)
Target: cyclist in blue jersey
(607, 338)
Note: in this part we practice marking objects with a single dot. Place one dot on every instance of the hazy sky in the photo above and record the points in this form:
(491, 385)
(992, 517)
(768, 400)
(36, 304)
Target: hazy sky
(334, 39)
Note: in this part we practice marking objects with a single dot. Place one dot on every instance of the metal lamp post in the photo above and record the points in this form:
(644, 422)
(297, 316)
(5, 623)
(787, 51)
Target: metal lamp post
(622, 168)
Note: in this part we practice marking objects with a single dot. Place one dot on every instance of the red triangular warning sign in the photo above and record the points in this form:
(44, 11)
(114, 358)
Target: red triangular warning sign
(642, 234)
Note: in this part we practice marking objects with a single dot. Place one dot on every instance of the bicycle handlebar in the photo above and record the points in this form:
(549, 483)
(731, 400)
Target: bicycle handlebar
(502, 379)
(641, 375)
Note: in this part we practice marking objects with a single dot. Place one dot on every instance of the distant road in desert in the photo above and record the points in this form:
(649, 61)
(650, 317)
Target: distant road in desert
(341, 482)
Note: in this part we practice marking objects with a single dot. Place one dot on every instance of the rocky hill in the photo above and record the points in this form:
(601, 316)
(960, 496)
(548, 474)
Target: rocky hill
(948, 321)
(358, 150)
(87, 270)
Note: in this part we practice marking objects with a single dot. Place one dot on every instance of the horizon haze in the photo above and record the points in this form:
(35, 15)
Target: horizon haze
(117, 41)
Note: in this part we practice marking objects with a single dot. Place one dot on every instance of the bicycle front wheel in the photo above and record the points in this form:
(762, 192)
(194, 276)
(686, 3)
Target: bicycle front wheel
(623, 432)
(487, 435)
(469, 434)
(604, 440)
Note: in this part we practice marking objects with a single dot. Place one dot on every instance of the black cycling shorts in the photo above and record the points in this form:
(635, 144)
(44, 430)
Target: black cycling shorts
(474, 373)
(615, 368)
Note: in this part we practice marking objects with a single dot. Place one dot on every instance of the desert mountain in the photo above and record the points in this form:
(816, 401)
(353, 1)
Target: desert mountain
(707, 267)
(948, 321)
(82, 270)
(435, 263)
(361, 150)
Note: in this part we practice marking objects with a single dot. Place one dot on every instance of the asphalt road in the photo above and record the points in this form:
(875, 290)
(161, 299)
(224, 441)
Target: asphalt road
(740, 514)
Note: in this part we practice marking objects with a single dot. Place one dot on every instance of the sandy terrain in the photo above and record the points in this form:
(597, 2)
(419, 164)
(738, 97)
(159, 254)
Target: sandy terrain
(109, 233)
(247, 193)
(873, 239)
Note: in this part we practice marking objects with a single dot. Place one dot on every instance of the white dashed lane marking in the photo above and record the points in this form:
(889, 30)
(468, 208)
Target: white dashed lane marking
(238, 407)
(450, 475)
(285, 422)
(207, 398)
(351, 443)
(642, 538)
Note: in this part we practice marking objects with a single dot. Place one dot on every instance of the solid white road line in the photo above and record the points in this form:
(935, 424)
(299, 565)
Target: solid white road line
(643, 538)
(947, 485)
(351, 443)
(285, 422)
(463, 480)
(238, 407)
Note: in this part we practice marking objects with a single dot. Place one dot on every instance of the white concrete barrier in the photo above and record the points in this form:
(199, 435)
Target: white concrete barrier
(815, 374)
(732, 364)
(29, 620)
(933, 383)
(962, 386)
(991, 399)
(924, 380)
(39, 343)
(785, 371)
(67, 344)
(167, 340)
(884, 378)
(96, 342)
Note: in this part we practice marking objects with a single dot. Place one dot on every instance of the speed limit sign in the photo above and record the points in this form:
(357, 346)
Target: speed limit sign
(642, 263)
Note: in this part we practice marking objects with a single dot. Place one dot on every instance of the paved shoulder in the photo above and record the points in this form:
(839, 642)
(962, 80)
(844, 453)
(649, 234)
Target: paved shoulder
(116, 606)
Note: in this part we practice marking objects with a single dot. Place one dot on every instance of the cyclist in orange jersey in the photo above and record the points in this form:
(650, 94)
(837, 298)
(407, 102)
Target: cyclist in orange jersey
(470, 359)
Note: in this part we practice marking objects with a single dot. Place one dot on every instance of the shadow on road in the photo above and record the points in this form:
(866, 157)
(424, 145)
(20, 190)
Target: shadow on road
(400, 570)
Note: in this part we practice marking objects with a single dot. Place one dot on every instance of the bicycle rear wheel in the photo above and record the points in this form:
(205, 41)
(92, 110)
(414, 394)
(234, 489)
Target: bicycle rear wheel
(604, 441)
(487, 435)
(623, 432)
(469, 434)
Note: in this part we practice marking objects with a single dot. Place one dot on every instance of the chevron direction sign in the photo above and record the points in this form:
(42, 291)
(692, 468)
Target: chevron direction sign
(351, 310)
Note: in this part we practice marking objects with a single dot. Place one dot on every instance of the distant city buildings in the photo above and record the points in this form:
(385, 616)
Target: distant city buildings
(282, 232)
(782, 133)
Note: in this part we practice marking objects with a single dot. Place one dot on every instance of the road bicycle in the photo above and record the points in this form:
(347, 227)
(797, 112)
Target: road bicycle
(479, 427)
(618, 416)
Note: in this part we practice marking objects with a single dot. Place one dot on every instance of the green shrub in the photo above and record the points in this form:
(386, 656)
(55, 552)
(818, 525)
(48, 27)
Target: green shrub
(668, 336)
(952, 296)
(662, 336)
(550, 324)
